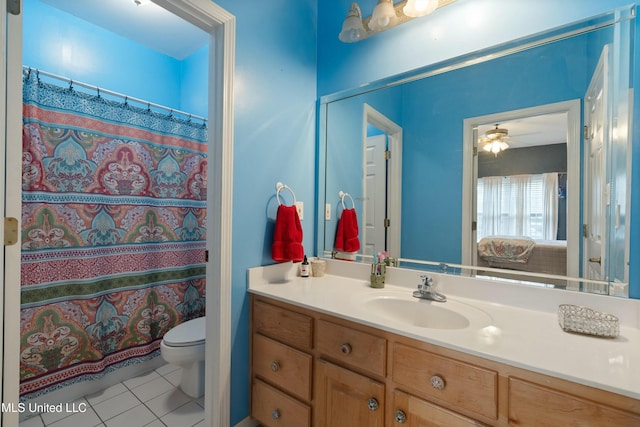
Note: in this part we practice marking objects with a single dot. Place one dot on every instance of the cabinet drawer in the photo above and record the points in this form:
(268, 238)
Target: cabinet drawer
(274, 408)
(534, 405)
(353, 348)
(283, 366)
(412, 411)
(287, 326)
(457, 383)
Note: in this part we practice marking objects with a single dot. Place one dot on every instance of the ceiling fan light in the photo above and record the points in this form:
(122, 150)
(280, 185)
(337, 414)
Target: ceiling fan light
(416, 8)
(384, 15)
(495, 146)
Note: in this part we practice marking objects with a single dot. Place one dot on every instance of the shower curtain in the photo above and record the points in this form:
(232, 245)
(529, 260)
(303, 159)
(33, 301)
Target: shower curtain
(113, 232)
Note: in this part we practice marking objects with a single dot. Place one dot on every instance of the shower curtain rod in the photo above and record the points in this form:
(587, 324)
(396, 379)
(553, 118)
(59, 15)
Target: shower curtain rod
(109, 92)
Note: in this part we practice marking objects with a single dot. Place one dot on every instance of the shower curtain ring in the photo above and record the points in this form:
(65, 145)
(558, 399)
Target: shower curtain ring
(98, 89)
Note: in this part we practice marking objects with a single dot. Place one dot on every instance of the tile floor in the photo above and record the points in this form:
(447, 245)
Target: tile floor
(150, 400)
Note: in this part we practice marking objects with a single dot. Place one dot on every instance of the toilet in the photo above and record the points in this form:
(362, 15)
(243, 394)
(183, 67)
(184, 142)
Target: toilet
(183, 345)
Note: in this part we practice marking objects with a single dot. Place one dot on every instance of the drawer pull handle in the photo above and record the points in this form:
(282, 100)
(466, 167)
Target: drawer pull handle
(275, 414)
(400, 416)
(275, 366)
(372, 404)
(345, 348)
(438, 382)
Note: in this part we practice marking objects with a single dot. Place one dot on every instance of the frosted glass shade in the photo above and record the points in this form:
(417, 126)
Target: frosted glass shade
(415, 8)
(352, 28)
(383, 16)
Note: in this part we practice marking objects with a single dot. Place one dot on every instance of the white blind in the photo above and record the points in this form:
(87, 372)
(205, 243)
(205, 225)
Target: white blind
(518, 205)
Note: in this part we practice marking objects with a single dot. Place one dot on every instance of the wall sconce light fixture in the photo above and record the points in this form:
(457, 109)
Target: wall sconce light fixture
(385, 15)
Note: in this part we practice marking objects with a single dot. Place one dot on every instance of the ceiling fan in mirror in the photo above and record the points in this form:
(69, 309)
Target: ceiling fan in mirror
(494, 140)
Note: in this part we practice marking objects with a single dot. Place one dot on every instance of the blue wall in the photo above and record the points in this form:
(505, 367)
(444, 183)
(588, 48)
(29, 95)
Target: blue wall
(459, 28)
(275, 124)
(59, 43)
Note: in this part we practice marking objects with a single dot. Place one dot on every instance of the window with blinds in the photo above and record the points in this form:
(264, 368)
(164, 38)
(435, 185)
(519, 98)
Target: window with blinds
(513, 206)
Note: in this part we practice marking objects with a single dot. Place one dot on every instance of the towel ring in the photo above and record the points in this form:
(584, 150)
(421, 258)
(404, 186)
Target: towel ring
(342, 195)
(279, 187)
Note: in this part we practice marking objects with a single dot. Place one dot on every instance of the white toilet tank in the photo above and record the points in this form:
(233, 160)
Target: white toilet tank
(186, 334)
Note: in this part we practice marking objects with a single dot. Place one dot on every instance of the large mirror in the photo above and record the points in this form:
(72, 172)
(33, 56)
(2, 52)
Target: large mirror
(549, 207)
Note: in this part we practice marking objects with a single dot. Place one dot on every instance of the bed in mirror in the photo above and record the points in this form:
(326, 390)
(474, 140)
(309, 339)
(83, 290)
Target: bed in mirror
(510, 163)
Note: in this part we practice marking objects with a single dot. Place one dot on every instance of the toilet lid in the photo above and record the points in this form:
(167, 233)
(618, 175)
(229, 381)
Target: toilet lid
(187, 333)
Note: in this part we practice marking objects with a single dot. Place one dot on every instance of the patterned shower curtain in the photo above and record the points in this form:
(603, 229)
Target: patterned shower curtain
(113, 232)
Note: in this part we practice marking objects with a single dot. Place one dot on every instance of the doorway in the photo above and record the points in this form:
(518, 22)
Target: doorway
(381, 183)
(221, 26)
(570, 111)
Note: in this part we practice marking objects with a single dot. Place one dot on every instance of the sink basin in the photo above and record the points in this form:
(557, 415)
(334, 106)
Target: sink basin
(425, 313)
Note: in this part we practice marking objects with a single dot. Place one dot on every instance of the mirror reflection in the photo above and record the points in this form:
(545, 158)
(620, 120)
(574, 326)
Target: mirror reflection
(550, 203)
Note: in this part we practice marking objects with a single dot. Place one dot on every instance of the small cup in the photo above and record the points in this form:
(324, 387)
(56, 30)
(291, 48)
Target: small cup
(318, 267)
(377, 281)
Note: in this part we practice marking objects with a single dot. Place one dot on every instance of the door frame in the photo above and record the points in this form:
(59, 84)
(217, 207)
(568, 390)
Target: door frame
(394, 180)
(220, 24)
(470, 175)
(601, 72)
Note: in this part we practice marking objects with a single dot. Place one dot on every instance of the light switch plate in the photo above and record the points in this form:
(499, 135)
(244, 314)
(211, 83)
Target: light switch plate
(300, 208)
(327, 212)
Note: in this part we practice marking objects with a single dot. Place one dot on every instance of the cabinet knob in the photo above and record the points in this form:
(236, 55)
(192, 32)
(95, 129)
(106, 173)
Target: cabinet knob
(275, 414)
(372, 404)
(275, 366)
(345, 348)
(438, 382)
(400, 416)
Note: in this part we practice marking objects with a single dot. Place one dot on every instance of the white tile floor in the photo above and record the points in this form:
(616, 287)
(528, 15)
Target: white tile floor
(150, 400)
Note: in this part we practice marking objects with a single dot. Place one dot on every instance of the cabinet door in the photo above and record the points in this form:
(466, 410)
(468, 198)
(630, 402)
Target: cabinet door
(412, 411)
(347, 399)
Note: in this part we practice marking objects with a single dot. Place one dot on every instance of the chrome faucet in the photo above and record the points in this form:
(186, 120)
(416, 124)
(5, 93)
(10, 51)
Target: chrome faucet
(426, 291)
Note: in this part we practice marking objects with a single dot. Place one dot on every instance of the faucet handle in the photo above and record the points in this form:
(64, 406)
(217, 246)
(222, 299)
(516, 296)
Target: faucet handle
(426, 281)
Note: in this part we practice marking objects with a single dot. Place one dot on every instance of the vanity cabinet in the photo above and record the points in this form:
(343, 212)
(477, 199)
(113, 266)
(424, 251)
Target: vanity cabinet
(314, 369)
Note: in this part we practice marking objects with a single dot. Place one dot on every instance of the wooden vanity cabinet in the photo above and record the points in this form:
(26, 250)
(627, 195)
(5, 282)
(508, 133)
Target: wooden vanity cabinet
(313, 369)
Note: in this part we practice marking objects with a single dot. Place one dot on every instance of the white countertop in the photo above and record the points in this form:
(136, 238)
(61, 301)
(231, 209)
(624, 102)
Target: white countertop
(522, 330)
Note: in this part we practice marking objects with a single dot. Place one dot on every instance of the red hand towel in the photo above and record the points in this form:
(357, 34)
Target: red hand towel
(287, 236)
(347, 233)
